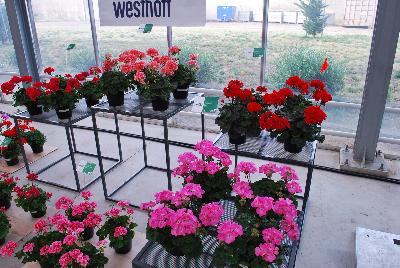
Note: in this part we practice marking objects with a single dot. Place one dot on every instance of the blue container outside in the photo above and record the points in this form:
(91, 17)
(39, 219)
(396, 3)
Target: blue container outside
(226, 13)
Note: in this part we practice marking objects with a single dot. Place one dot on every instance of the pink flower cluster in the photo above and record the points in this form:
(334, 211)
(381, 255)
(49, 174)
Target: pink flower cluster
(210, 214)
(72, 256)
(243, 189)
(8, 249)
(189, 191)
(287, 173)
(228, 231)
(120, 231)
(262, 205)
(246, 167)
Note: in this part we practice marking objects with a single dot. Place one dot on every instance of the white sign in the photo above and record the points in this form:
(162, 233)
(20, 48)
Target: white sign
(157, 12)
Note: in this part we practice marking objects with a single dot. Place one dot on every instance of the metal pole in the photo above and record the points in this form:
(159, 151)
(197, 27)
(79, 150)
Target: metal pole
(167, 157)
(143, 137)
(34, 34)
(94, 33)
(96, 137)
(264, 42)
(169, 36)
(78, 185)
(379, 72)
(118, 136)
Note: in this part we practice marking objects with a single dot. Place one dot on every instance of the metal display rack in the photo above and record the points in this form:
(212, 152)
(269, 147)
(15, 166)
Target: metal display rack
(153, 255)
(79, 113)
(136, 107)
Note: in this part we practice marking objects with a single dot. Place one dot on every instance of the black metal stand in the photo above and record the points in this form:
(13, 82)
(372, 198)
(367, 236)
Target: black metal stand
(138, 108)
(79, 113)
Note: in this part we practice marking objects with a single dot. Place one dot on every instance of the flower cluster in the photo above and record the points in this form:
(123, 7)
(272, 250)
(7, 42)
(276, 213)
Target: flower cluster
(228, 231)
(24, 89)
(7, 184)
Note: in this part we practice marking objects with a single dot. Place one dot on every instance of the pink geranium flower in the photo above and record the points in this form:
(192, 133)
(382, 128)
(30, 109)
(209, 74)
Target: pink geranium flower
(267, 252)
(228, 231)
(243, 189)
(183, 222)
(210, 214)
(262, 205)
(8, 249)
(120, 231)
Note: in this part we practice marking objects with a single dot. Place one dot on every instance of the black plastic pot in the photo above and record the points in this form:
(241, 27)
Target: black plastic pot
(5, 203)
(38, 214)
(45, 265)
(2, 241)
(87, 234)
(37, 148)
(292, 148)
(159, 104)
(116, 99)
(64, 113)
(91, 101)
(12, 162)
(237, 140)
(34, 109)
(181, 93)
(125, 249)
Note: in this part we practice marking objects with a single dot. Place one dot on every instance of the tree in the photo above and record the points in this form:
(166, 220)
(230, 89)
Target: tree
(315, 18)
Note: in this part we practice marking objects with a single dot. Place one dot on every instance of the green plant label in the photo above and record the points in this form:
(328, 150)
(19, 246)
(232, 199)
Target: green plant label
(145, 28)
(86, 167)
(258, 52)
(211, 104)
(71, 46)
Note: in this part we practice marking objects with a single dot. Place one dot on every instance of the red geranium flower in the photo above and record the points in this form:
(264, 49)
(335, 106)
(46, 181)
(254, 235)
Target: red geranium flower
(7, 88)
(262, 89)
(10, 133)
(297, 82)
(26, 79)
(322, 95)
(94, 70)
(274, 98)
(233, 89)
(49, 70)
(15, 79)
(254, 107)
(33, 93)
(54, 84)
(314, 115)
(317, 84)
(245, 94)
(273, 122)
(32, 176)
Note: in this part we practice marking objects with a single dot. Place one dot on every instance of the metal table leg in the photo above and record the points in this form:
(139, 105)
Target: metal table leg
(236, 154)
(73, 136)
(70, 147)
(99, 157)
(203, 132)
(167, 157)
(118, 136)
(19, 136)
(310, 170)
(143, 138)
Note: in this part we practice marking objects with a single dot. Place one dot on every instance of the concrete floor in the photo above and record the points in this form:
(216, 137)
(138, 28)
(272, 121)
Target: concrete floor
(337, 205)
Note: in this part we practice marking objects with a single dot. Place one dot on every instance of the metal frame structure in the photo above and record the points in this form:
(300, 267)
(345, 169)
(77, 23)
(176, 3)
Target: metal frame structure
(50, 118)
(135, 107)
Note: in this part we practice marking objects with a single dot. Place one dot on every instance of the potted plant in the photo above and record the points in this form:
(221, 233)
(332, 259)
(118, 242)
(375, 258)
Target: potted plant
(10, 152)
(113, 81)
(7, 184)
(185, 75)
(296, 120)
(31, 198)
(36, 140)
(256, 237)
(118, 228)
(62, 94)
(9, 147)
(27, 93)
(176, 223)
(234, 117)
(83, 212)
(211, 173)
(56, 244)
(91, 90)
(5, 226)
(153, 79)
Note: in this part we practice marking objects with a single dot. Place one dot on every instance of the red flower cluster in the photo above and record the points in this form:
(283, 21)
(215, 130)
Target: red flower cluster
(297, 82)
(33, 93)
(314, 115)
(233, 89)
(7, 88)
(30, 193)
(273, 122)
(320, 93)
(254, 107)
(277, 97)
(49, 70)
(32, 176)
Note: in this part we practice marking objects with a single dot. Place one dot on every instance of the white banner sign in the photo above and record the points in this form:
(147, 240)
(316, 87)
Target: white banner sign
(157, 12)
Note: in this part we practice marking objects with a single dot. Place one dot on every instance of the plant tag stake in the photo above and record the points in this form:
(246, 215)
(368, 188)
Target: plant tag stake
(258, 52)
(145, 28)
(86, 167)
(211, 104)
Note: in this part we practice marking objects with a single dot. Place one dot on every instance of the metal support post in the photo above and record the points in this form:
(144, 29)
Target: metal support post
(96, 137)
(94, 33)
(118, 136)
(167, 157)
(169, 36)
(264, 41)
(78, 185)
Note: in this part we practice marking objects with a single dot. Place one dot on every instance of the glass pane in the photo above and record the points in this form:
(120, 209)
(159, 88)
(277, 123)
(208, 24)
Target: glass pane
(345, 41)
(8, 61)
(225, 44)
(61, 26)
(114, 40)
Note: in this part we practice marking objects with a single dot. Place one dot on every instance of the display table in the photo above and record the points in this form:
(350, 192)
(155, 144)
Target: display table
(79, 113)
(153, 255)
(136, 107)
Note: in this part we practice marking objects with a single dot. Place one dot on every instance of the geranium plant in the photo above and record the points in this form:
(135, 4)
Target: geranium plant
(91, 90)
(31, 198)
(36, 139)
(185, 75)
(82, 212)
(211, 173)
(114, 82)
(235, 117)
(62, 93)
(56, 244)
(5, 225)
(265, 221)
(26, 92)
(7, 184)
(119, 227)
(177, 222)
(294, 119)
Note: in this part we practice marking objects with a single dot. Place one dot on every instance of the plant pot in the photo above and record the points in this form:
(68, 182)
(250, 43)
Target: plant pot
(2, 241)
(34, 109)
(125, 249)
(5, 203)
(45, 265)
(91, 101)
(37, 148)
(38, 214)
(177, 252)
(237, 140)
(116, 99)
(181, 93)
(64, 113)
(292, 148)
(12, 161)
(159, 104)
(87, 234)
